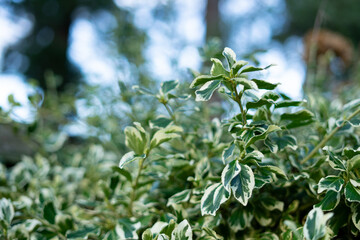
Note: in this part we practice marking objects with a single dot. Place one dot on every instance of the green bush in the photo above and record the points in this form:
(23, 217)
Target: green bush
(275, 169)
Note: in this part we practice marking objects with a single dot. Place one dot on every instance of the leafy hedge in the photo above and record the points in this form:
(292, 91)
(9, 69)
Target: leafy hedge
(275, 169)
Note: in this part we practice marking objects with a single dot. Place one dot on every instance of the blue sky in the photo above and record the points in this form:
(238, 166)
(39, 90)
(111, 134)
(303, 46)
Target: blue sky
(186, 28)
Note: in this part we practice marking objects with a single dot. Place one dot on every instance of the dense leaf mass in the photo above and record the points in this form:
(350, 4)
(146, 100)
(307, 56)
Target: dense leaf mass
(172, 166)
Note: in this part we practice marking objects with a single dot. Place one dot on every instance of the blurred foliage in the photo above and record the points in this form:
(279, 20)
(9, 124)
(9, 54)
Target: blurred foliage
(46, 47)
(145, 160)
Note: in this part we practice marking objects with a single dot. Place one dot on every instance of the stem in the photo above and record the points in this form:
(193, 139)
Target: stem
(134, 185)
(238, 100)
(169, 111)
(327, 138)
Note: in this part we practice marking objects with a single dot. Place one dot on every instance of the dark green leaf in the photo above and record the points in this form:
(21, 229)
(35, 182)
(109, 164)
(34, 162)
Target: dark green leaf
(330, 201)
(352, 191)
(49, 212)
(331, 182)
(261, 84)
(123, 172)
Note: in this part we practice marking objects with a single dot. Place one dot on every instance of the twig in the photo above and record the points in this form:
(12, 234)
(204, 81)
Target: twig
(327, 138)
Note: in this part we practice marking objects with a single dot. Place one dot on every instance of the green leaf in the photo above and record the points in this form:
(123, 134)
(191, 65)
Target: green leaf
(270, 129)
(147, 235)
(207, 90)
(230, 171)
(261, 180)
(165, 135)
(162, 237)
(352, 191)
(143, 90)
(182, 231)
(298, 119)
(160, 122)
(272, 204)
(246, 83)
(228, 152)
(49, 212)
(335, 162)
(217, 68)
(128, 158)
(179, 197)
(330, 201)
(136, 138)
(169, 228)
(169, 86)
(355, 216)
(298, 116)
(261, 84)
(31, 224)
(213, 197)
(240, 219)
(123, 172)
(82, 233)
(350, 152)
(230, 56)
(251, 69)
(274, 169)
(243, 184)
(202, 79)
(275, 143)
(126, 229)
(330, 182)
(353, 163)
(237, 66)
(212, 234)
(315, 224)
(6, 211)
(352, 105)
(288, 103)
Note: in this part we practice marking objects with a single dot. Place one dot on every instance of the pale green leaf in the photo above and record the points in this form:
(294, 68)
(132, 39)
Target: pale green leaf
(230, 56)
(213, 197)
(6, 211)
(136, 138)
(238, 65)
(230, 171)
(217, 68)
(207, 90)
(243, 184)
(182, 231)
(164, 135)
(168, 86)
(179, 197)
(202, 79)
(246, 83)
(128, 158)
(240, 219)
(126, 228)
(315, 224)
(228, 152)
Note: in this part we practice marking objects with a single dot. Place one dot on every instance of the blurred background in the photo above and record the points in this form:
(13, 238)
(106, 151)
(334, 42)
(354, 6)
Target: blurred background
(62, 45)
